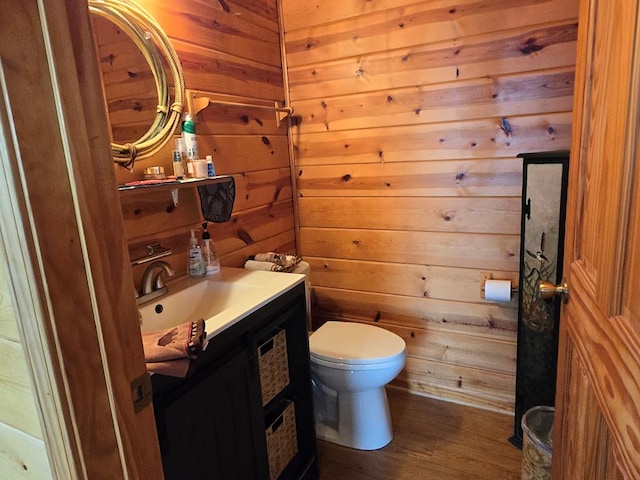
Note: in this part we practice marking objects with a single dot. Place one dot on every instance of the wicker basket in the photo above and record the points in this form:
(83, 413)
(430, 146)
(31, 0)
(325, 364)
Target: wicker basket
(273, 365)
(282, 443)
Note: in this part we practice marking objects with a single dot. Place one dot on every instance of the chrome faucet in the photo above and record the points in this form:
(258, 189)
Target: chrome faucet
(152, 285)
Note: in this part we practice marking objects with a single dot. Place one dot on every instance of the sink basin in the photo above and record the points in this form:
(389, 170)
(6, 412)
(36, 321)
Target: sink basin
(221, 301)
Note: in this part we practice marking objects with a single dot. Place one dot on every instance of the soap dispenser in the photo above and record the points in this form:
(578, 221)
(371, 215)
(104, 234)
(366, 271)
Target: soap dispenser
(210, 252)
(195, 262)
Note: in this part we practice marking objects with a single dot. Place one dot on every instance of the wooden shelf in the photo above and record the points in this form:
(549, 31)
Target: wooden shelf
(174, 187)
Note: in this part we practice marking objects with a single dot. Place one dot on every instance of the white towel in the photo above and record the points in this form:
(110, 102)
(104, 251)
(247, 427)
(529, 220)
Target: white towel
(284, 260)
(256, 265)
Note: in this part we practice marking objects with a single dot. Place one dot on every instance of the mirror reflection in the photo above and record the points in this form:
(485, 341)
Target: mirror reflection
(142, 79)
(128, 83)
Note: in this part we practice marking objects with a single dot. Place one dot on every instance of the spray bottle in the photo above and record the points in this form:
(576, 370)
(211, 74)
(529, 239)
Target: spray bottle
(210, 252)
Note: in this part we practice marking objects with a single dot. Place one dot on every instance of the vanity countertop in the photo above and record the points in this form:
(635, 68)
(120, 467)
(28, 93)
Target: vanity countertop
(221, 300)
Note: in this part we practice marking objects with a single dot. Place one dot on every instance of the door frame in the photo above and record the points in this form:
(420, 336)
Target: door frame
(64, 245)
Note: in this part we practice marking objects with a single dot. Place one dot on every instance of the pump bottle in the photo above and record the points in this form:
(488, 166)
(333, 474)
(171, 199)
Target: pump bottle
(195, 263)
(210, 252)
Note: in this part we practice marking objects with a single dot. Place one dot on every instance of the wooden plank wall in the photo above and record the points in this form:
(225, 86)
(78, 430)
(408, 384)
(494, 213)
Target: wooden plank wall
(230, 48)
(409, 118)
(22, 451)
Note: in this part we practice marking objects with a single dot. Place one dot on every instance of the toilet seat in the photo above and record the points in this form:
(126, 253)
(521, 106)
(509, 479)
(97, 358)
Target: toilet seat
(357, 367)
(344, 344)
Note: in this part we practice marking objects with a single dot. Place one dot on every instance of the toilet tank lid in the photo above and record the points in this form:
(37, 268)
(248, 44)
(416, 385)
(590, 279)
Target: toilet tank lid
(355, 343)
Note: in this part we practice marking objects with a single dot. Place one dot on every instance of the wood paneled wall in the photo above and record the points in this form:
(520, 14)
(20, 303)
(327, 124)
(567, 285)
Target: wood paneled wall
(409, 118)
(22, 451)
(230, 48)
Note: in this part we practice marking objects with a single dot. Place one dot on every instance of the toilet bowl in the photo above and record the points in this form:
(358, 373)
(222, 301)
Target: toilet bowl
(350, 365)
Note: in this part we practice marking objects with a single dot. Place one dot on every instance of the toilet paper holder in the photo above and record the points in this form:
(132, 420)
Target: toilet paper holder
(514, 290)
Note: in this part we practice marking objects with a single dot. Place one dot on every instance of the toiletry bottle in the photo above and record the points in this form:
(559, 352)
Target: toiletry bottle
(183, 154)
(189, 137)
(195, 263)
(178, 165)
(210, 252)
(211, 171)
(181, 148)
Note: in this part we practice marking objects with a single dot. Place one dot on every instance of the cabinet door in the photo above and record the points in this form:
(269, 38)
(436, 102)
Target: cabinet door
(544, 187)
(217, 409)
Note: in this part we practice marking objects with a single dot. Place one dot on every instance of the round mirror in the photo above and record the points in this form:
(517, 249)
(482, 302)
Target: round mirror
(135, 80)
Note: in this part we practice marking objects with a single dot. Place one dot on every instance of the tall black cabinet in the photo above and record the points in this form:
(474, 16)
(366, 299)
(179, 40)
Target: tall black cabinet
(544, 191)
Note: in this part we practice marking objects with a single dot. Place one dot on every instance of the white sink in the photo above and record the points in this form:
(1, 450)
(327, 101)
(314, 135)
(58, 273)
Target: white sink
(221, 301)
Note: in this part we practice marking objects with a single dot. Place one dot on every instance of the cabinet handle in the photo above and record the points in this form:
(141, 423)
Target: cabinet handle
(264, 348)
(276, 425)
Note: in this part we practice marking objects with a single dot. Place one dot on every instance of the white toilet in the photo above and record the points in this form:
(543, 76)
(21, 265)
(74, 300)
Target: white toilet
(350, 365)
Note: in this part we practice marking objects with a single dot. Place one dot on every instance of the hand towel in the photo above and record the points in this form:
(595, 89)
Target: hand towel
(172, 351)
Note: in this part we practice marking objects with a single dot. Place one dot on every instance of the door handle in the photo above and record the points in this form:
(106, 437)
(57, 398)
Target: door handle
(548, 290)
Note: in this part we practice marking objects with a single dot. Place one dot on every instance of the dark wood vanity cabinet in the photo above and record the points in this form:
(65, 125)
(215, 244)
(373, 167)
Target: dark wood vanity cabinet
(216, 424)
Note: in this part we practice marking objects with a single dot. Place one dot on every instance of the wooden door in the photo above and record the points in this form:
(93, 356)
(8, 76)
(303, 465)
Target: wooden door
(63, 240)
(597, 428)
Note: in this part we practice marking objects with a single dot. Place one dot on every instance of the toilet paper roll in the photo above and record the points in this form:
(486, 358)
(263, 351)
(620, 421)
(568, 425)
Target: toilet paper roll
(497, 290)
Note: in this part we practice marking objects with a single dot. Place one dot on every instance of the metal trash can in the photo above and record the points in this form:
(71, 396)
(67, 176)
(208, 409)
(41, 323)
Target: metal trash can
(537, 443)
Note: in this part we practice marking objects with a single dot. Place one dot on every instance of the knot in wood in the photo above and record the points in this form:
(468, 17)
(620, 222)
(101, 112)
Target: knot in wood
(530, 46)
(447, 216)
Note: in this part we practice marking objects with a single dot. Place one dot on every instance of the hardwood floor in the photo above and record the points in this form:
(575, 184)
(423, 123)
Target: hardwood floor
(432, 440)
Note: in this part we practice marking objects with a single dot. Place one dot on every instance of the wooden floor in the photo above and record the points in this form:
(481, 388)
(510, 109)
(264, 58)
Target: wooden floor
(432, 440)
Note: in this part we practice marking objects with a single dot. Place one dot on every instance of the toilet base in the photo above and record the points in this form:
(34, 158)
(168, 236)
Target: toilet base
(363, 423)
